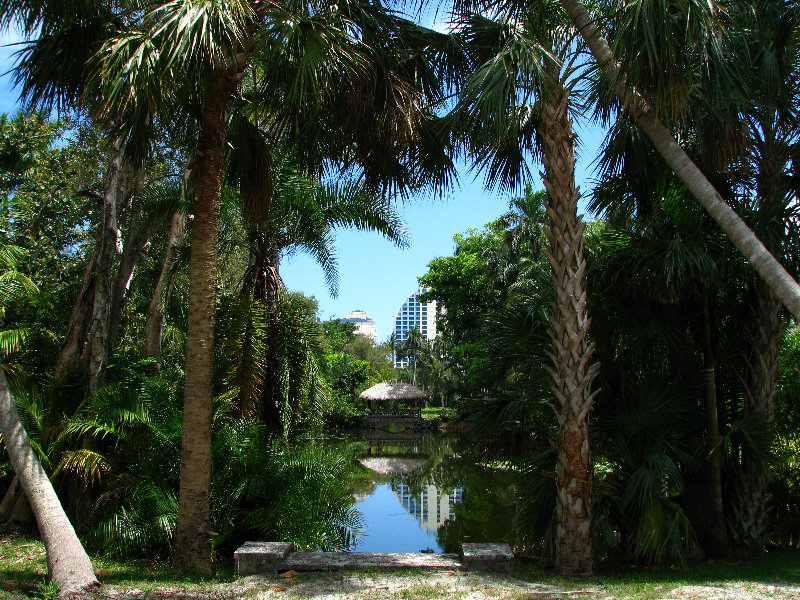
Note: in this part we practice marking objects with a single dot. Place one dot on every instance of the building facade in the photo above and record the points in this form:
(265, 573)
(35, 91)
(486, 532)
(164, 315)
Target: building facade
(414, 314)
(364, 325)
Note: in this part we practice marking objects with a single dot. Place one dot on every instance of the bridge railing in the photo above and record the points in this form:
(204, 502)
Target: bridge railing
(396, 412)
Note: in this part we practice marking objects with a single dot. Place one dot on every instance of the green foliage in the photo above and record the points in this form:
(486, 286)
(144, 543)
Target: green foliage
(338, 334)
(265, 490)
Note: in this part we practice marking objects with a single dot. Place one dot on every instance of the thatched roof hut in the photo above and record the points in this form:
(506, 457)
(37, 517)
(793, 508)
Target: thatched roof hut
(394, 392)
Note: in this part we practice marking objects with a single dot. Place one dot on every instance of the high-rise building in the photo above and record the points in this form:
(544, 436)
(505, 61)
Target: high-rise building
(414, 314)
(364, 325)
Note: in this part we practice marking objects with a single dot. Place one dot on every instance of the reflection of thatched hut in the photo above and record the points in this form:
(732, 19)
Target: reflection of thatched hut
(388, 465)
(389, 396)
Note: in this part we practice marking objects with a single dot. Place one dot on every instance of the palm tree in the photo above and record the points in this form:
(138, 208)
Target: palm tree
(770, 118)
(410, 348)
(67, 562)
(530, 58)
(302, 215)
(743, 136)
(641, 110)
(354, 97)
(74, 32)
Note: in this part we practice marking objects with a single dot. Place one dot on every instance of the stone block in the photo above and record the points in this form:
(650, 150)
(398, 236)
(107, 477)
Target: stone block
(487, 557)
(255, 558)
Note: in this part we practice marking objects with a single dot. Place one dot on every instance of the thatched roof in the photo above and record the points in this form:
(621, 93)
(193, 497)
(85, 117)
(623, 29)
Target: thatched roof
(389, 391)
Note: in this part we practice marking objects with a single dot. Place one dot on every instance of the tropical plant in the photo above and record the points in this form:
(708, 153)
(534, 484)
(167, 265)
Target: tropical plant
(705, 36)
(67, 562)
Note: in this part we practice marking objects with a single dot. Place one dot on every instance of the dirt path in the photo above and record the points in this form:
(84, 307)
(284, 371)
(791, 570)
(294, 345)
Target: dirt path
(444, 586)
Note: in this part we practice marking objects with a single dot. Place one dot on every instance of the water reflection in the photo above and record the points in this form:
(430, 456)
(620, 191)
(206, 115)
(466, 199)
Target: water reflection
(419, 491)
(430, 507)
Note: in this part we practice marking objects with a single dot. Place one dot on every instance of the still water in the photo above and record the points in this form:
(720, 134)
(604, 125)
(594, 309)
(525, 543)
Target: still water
(421, 491)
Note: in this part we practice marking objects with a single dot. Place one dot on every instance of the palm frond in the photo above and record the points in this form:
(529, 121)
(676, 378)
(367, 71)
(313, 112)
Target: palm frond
(12, 340)
(89, 465)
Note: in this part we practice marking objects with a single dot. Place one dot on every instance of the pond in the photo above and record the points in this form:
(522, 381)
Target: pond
(420, 492)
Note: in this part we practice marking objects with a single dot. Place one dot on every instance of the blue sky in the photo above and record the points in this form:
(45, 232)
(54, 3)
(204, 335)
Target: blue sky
(374, 275)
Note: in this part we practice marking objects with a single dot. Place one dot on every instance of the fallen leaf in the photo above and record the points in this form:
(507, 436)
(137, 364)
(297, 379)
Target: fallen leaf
(288, 574)
(279, 588)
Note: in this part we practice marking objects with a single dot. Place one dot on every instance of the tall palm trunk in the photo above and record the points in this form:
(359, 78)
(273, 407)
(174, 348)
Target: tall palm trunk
(154, 325)
(192, 534)
(749, 518)
(572, 373)
(777, 278)
(67, 562)
(716, 542)
(749, 523)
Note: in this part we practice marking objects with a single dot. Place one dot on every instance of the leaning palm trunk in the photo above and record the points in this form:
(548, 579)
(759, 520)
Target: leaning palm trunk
(572, 373)
(777, 278)
(67, 562)
(192, 533)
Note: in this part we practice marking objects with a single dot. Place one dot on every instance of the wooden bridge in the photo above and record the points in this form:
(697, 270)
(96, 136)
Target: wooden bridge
(410, 417)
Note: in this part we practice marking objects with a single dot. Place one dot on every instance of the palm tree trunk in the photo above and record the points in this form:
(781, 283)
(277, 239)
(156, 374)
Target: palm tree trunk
(572, 373)
(715, 527)
(778, 279)
(192, 533)
(67, 562)
(154, 325)
(85, 347)
(748, 523)
(96, 352)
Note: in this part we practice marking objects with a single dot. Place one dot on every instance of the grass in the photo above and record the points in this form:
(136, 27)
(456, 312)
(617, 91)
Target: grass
(23, 569)
(444, 415)
(646, 584)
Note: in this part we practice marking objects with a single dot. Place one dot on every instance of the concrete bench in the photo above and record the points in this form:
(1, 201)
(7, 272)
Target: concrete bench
(487, 557)
(255, 558)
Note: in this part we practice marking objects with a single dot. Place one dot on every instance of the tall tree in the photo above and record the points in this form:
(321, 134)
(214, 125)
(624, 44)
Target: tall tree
(349, 96)
(519, 99)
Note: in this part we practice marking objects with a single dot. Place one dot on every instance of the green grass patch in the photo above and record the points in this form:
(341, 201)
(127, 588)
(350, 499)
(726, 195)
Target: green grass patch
(437, 413)
(646, 584)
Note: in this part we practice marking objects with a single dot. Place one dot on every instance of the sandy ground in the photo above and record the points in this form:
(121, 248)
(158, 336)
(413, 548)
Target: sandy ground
(433, 586)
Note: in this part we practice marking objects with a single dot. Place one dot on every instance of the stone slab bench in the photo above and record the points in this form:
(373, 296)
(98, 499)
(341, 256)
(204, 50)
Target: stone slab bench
(487, 557)
(335, 561)
(255, 558)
